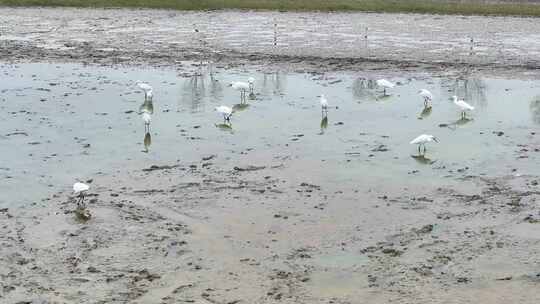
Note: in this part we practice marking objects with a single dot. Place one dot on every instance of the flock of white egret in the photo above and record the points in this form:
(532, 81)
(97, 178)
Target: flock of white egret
(427, 96)
(226, 112)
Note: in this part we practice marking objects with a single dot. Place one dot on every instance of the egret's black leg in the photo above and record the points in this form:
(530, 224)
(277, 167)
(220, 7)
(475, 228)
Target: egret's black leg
(80, 202)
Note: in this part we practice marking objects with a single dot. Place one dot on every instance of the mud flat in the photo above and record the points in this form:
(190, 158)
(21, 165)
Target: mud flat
(281, 206)
(336, 41)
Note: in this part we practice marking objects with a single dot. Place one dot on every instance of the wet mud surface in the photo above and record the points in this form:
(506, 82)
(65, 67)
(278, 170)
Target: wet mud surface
(300, 40)
(280, 206)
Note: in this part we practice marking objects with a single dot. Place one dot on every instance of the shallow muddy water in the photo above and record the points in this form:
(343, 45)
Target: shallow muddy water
(62, 122)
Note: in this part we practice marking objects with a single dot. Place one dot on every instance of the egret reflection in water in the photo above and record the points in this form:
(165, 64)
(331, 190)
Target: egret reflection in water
(469, 88)
(426, 111)
(273, 82)
(463, 121)
(363, 88)
(534, 106)
(147, 106)
(324, 123)
(460, 122)
(147, 141)
(422, 159)
(226, 126)
(198, 89)
(383, 97)
(240, 107)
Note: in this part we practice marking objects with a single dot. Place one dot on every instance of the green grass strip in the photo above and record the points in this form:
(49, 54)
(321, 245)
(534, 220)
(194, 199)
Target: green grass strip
(472, 7)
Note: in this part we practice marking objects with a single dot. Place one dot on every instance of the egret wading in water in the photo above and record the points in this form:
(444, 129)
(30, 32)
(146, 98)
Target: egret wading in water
(226, 112)
(422, 140)
(147, 118)
(324, 105)
(241, 86)
(251, 82)
(80, 190)
(462, 105)
(148, 90)
(385, 84)
(428, 97)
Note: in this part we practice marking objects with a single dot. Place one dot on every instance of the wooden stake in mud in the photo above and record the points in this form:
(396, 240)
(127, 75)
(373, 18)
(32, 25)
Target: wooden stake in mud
(366, 37)
(275, 32)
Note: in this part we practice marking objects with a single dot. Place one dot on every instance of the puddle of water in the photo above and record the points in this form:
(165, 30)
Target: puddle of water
(61, 122)
(337, 274)
(339, 260)
(337, 284)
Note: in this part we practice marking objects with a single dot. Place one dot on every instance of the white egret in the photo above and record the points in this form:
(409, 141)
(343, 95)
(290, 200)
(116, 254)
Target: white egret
(385, 84)
(240, 86)
(422, 140)
(80, 189)
(226, 112)
(147, 118)
(251, 82)
(428, 97)
(324, 103)
(462, 105)
(148, 90)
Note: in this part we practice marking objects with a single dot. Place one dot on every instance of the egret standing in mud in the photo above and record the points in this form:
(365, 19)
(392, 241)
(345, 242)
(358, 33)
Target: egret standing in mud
(80, 190)
(147, 118)
(241, 86)
(385, 84)
(226, 112)
(422, 140)
(428, 97)
(148, 90)
(462, 105)
(251, 82)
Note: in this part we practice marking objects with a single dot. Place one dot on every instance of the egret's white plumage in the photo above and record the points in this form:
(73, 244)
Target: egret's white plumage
(240, 85)
(462, 104)
(225, 111)
(324, 102)
(426, 94)
(385, 83)
(251, 82)
(80, 187)
(148, 90)
(80, 190)
(428, 97)
(423, 139)
(144, 86)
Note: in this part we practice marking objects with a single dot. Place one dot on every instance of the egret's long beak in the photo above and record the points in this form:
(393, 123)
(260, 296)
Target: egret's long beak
(435, 139)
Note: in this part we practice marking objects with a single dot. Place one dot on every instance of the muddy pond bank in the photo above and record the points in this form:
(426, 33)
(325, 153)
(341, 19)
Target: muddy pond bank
(300, 41)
